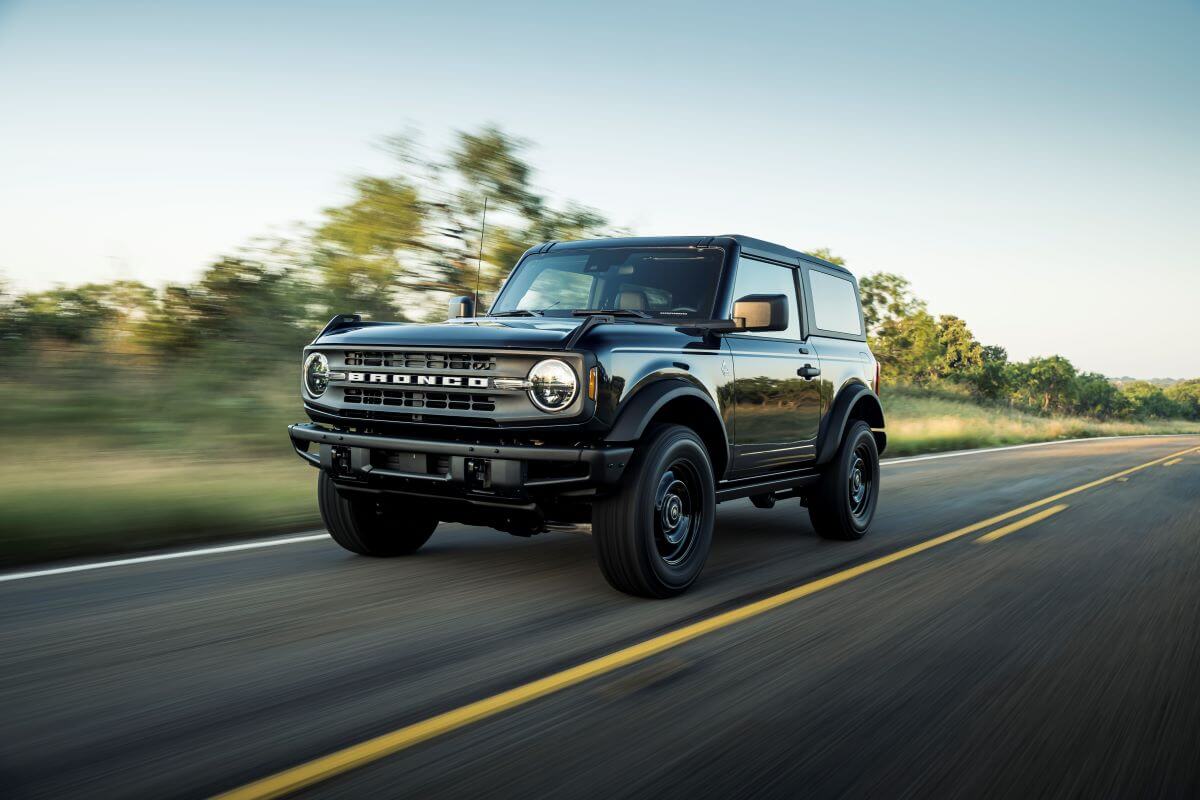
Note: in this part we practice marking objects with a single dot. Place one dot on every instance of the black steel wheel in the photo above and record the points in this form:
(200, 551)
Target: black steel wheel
(678, 515)
(653, 535)
(860, 483)
(842, 504)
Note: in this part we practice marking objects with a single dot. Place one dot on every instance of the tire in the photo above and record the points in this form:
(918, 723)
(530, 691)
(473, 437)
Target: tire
(653, 536)
(839, 506)
(372, 527)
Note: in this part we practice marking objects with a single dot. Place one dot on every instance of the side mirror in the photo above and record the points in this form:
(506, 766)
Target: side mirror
(461, 307)
(761, 312)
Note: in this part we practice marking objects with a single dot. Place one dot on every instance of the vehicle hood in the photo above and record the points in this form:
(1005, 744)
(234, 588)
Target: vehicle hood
(517, 333)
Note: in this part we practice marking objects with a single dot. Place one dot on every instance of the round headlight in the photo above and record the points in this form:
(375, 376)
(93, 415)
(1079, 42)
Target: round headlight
(316, 374)
(553, 385)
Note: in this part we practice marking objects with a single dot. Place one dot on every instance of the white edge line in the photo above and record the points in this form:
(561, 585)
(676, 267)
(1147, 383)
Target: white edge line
(312, 537)
(203, 551)
(956, 453)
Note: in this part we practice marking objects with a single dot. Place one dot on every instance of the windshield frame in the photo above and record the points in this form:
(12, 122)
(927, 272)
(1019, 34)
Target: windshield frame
(565, 312)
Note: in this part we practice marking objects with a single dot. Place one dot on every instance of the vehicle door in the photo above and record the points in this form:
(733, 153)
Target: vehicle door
(777, 402)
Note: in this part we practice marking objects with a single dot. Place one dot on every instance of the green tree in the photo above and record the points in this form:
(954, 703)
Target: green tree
(418, 231)
(960, 354)
(990, 378)
(1046, 384)
(359, 245)
(827, 254)
(887, 297)
(1097, 396)
(1186, 396)
(236, 301)
(490, 162)
(1148, 401)
(909, 348)
(67, 315)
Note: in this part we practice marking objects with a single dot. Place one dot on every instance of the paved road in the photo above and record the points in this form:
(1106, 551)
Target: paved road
(1060, 659)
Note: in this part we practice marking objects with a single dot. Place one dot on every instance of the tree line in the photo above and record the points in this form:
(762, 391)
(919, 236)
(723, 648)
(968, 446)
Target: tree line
(400, 236)
(918, 349)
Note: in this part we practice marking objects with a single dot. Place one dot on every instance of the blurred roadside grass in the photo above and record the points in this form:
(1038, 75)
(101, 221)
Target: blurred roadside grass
(928, 421)
(104, 459)
(162, 463)
(108, 502)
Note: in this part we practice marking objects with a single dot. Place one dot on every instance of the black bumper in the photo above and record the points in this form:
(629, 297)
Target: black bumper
(453, 467)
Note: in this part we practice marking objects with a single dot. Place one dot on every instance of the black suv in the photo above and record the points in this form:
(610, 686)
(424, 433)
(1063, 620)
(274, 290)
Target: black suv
(629, 383)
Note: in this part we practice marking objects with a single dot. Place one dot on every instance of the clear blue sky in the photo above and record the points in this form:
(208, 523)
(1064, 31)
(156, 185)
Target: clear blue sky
(1034, 170)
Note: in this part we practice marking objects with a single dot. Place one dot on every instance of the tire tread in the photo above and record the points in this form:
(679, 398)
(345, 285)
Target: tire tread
(615, 521)
(358, 536)
(827, 507)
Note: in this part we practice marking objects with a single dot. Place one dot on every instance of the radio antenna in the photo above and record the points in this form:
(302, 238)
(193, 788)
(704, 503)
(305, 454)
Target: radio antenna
(479, 259)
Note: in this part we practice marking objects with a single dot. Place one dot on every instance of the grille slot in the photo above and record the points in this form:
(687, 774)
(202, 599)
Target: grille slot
(474, 362)
(452, 401)
(429, 464)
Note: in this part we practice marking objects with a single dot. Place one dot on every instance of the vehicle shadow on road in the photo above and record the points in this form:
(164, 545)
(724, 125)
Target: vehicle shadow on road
(745, 539)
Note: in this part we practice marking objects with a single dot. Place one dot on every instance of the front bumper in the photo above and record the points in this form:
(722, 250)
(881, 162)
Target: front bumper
(511, 472)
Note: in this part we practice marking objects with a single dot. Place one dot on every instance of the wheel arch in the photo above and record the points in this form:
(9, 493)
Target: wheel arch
(853, 402)
(677, 402)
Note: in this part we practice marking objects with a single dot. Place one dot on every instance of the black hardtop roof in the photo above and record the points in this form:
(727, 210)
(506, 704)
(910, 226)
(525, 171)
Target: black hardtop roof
(748, 244)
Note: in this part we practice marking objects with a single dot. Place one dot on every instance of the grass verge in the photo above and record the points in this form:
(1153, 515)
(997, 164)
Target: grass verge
(109, 503)
(929, 423)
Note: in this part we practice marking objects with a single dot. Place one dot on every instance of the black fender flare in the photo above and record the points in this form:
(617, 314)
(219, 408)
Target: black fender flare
(636, 412)
(834, 425)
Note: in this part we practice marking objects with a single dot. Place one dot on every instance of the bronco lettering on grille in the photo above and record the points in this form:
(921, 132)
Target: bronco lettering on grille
(417, 380)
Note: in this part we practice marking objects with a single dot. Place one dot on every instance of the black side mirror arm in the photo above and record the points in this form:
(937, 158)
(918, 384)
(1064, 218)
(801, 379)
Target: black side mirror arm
(710, 327)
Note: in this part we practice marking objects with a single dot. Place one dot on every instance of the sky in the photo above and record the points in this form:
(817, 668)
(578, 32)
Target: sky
(1031, 167)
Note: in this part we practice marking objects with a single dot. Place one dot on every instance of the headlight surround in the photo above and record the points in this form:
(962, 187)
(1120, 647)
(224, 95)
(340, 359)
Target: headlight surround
(553, 385)
(316, 374)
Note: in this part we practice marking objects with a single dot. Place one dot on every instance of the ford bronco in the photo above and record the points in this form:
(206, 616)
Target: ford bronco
(632, 384)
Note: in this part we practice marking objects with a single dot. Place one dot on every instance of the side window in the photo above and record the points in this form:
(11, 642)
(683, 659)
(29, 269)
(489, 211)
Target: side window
(835, 306)
(759, 277)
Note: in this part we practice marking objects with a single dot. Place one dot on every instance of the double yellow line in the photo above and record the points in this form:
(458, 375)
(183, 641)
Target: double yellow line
(349, 758)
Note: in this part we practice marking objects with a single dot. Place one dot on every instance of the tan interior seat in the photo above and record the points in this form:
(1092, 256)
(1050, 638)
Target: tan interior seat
(633, 299)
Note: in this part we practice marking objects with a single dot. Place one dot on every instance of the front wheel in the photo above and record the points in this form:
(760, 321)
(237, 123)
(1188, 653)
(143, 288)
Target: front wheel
(653, 536)
(372, 527)
(842, 504)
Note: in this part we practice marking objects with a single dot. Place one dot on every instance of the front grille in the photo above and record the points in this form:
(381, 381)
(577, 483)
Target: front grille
(408, 360)
(421, 401)
(453, 401)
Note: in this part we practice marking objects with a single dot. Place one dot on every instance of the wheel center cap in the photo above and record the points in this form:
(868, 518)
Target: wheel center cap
(674, 510)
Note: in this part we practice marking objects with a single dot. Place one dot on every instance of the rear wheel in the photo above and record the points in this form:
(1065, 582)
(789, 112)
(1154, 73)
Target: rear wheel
(652, 537)
(372, 527)
(842, 504)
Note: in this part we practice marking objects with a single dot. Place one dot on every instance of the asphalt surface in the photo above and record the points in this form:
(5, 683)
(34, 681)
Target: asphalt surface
(1062, 659)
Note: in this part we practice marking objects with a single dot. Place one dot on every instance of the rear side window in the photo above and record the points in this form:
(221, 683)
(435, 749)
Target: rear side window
(835, 305)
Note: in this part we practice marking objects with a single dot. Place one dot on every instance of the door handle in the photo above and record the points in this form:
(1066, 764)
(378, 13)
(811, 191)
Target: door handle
(808, 371)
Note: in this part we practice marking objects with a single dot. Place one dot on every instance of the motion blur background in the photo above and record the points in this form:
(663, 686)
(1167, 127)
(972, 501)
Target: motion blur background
(189, 190)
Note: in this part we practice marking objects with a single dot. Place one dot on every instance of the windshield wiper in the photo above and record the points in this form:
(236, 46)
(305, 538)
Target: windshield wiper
(519, 312)
(612, 312)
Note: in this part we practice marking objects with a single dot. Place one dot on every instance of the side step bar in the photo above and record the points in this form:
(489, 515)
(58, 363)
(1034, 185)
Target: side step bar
(764, 484)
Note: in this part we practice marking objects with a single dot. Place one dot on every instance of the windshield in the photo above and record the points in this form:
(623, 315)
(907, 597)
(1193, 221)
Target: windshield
(668, 282)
